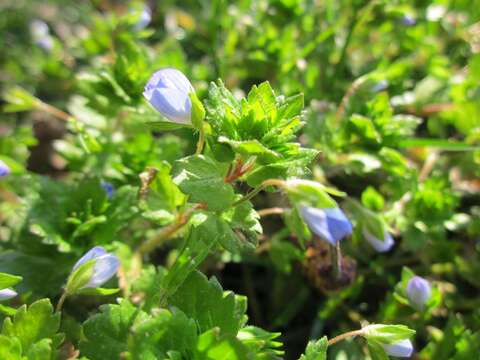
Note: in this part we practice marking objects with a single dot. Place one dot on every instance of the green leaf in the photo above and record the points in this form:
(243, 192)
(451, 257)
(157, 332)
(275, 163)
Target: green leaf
(203, 179)
(206, 302)
(19, 99)
(10, 348)
(7, 280)
(252, 148)
(98, 291)
(213, 345)
(261, 342)
(36, 328)
(316, 350)
(106, 333)
(164, 332)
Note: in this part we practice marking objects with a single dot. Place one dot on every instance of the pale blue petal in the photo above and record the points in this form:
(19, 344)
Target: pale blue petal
(418, 292)
(6, 294)
(105, 267)
(329, 224)
(91, 254)
(403, 348)
(4, 169)
(144, 20)
(171, 103)
(379, 245)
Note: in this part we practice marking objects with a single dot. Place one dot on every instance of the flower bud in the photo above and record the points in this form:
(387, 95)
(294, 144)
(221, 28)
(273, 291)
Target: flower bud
(330, 224)
(403, 348)
(92, 270)
(381, 245)
(418, 292)
(6, 294)
(4, 169)
(41, 35)
(144, 19)
(168, 91)
(109, 189)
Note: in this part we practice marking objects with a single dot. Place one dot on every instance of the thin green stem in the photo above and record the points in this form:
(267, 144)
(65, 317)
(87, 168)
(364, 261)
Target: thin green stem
(201, 140)
(336, 258)
(345, 336)
(61, 301)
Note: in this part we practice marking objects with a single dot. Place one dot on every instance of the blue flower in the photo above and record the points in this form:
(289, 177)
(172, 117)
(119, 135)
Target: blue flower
(330, 224)
(418, 292)
(144, 20)
(41, 35)
(408, 20)
(6, 294)
(108, 187)
(168, 91)
(380, 245)
(380, 86)
(105, 266)
(4, 169)
(403, 348)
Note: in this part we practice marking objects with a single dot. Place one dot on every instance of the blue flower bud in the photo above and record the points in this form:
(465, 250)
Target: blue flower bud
(39, 29)
(418, 292)
(167, 91)
(6, 294)
(41, 35)
(106, 265)
(408, 20)
(4, 169)
(380, 86)
(330, 224)
(144, 20)
(108, 187)
(378, 244)
(403, 348)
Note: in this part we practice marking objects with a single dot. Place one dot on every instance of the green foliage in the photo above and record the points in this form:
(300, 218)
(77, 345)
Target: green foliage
(316, 350)
(32, 332)
(369, 106)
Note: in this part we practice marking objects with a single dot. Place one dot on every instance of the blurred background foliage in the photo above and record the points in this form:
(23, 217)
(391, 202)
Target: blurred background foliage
(392, 102)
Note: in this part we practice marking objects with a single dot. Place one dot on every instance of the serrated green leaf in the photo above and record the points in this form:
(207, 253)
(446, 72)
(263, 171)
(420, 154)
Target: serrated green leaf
(166, 331)
(36, 328)
(106, 333)
(212, 345)
(316, 350)
(10, 348)
(205, 301)
(203, 179)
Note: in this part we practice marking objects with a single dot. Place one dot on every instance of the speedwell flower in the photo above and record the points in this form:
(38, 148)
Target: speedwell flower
(381, 245)
(168, 91)
(418, 292)
(403, 348)
(4, 169)
(104, 267)
(6, 294)
(144, 19)
(330, 224)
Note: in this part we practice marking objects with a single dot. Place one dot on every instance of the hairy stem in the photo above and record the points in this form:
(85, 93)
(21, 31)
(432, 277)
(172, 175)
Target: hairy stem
(201, 140)
(345, 336)
(336, 256)
(168, 231)
(61, 301)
